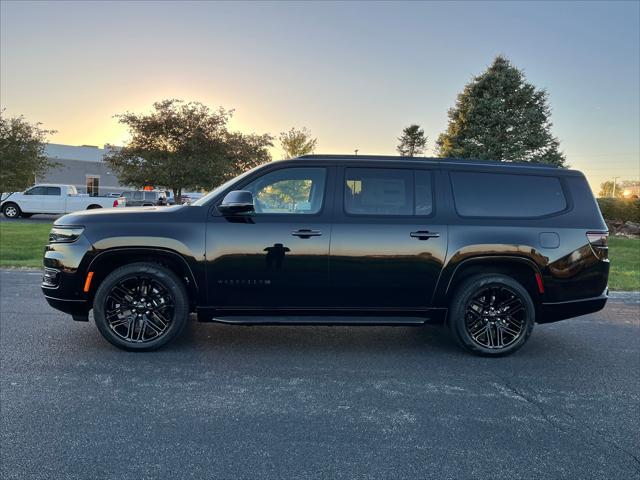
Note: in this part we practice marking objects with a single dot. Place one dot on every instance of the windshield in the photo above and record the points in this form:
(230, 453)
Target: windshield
(216, 191)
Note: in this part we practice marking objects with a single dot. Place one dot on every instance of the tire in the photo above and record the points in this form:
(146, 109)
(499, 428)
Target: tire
(141, 326)
(11, 210)
(486, 326)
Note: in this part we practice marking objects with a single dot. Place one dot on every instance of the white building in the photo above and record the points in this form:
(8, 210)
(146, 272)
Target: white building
(83, 167)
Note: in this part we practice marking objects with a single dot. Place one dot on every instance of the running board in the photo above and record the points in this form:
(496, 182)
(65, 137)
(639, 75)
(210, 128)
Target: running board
(325, 317)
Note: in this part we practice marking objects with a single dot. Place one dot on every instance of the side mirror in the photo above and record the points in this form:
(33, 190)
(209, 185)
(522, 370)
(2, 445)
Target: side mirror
(237, 201)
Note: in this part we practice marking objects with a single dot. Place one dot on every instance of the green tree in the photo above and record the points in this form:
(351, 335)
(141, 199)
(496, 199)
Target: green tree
(296, 143)
(21, 152)
(412, 142)
(500, 116)
(185, 145)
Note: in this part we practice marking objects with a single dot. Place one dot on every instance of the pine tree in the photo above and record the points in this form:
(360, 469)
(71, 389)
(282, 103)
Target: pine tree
(412, 141)
(500, 116)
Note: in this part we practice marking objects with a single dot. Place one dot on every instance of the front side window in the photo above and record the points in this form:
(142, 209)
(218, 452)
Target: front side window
(37, 191)
(289, 191)
(385, 191)
(479, 194)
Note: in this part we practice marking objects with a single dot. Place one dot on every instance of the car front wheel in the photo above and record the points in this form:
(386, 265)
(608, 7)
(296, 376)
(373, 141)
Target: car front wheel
(491, 315)
(141, 306)
(11, 210)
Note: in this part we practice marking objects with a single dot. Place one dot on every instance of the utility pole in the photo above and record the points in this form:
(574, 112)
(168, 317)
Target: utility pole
(613, 191)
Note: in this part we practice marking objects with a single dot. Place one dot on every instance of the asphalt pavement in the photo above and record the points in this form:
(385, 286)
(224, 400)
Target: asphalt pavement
(308, 402)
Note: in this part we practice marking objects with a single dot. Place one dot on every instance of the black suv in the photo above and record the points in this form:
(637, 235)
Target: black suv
(490, 247)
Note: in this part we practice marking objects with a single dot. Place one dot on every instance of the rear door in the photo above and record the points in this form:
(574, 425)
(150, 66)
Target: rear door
(387, 244)
(54, 200)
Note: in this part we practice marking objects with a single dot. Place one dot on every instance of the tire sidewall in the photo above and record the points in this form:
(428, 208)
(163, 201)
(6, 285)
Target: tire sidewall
(160, 274)
(458, 309)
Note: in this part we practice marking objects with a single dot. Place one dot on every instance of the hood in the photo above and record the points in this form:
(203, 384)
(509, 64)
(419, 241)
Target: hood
(121, 215)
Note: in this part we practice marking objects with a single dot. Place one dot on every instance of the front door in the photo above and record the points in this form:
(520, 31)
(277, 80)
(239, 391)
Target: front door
(276, 257)
(33, 200)
(387, 243)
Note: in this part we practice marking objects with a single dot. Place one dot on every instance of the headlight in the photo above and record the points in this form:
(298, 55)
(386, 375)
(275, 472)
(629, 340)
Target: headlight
(65, 234)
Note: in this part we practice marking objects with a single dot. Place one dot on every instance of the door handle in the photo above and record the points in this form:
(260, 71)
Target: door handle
(304, 233)
(424, 235)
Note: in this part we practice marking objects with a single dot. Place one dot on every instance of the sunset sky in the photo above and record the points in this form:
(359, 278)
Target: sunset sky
(355, 74)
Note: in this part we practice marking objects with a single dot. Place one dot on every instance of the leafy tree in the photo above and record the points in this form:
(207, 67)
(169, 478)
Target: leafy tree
(21, 152)
(500, 116)
(297, 142)
(412, 141)
(185, 145)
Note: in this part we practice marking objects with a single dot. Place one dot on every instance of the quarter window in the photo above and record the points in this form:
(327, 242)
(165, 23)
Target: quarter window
(506, 195)
(382, 191)
(289, 191)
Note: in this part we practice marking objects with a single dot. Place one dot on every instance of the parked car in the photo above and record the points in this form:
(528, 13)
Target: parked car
(145, 198)
(53, 199)
(490, 247)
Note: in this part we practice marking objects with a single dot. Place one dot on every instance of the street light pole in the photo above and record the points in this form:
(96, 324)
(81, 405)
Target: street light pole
(356, 150)
(613, 191)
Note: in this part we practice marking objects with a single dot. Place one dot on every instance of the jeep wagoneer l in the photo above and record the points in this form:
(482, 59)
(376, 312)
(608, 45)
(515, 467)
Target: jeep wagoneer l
(491, 248)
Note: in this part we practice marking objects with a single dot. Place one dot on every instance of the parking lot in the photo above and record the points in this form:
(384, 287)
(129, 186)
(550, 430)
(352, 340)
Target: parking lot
(315, 402)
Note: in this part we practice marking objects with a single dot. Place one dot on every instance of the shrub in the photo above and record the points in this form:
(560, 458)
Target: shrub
(620, 209)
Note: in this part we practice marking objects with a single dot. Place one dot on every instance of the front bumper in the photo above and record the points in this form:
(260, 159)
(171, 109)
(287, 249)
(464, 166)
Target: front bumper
(63, 277)
(553, 312)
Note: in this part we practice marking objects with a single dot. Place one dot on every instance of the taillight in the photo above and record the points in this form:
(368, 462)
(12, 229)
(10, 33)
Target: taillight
(599, 242)
(115, 203)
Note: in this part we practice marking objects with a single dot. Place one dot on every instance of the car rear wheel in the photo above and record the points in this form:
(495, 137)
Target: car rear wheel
(141, 306)
(491, 314)
(11, 210)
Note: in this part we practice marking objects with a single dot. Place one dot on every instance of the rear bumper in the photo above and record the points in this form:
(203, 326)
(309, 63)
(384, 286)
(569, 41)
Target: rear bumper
(552, 312)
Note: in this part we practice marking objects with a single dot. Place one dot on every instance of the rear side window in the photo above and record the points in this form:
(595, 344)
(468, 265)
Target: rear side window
(53, 191)
(385, 191)
(506, 195)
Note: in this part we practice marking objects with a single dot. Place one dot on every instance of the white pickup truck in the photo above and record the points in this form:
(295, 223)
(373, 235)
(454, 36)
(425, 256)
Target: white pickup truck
(54, 199)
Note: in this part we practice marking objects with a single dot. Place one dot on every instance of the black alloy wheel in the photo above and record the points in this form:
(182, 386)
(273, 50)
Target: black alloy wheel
(141, 306)
(491, 314)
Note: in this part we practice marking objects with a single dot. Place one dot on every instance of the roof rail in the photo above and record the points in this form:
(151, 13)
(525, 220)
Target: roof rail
(458, 161)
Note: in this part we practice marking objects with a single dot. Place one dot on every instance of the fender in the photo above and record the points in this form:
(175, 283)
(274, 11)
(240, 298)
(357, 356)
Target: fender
(449, 272)
(194, 281)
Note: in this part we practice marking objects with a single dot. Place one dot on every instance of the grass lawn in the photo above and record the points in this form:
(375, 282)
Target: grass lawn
(624, 254)
(21, 245)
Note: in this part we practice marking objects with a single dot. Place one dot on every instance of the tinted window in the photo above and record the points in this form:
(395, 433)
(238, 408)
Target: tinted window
(53, 191)
(506, 195)
(424, 193)
(381, 191)
(37, 191)
(290, 190)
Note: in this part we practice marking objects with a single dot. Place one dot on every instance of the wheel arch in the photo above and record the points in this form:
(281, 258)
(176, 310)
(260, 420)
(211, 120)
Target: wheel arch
(108, 260)
(521, 269)
(93, 206)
